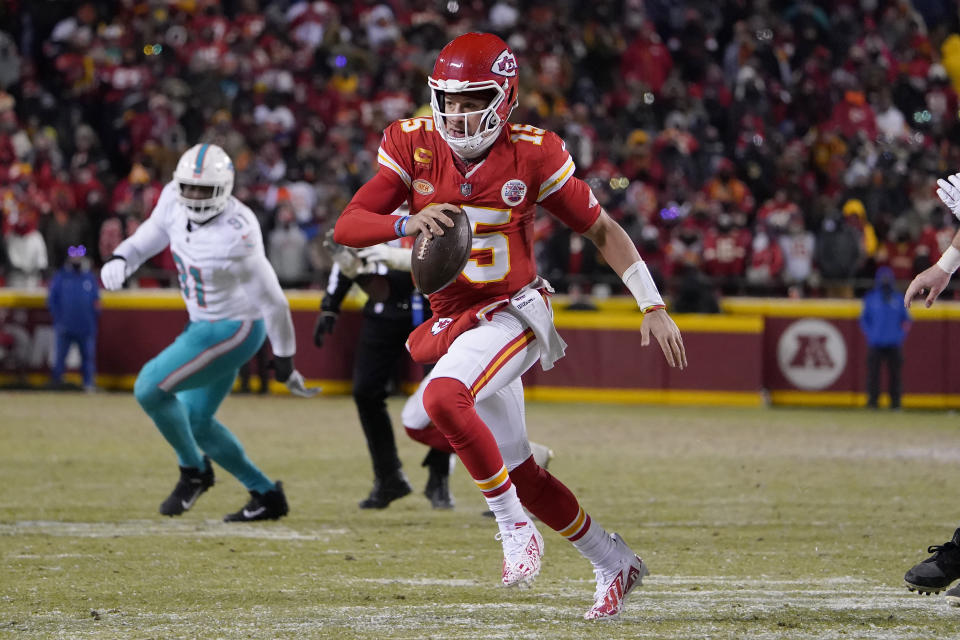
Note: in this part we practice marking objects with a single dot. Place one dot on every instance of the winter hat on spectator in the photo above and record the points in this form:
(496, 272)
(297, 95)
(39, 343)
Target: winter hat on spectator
(854, 207)
(139, 174)
(637, 138)
(854, 97)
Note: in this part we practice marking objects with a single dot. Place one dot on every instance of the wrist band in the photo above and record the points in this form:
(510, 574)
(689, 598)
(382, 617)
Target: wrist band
(640, 283)
(655, 307)
(950, 260)
(400, 226)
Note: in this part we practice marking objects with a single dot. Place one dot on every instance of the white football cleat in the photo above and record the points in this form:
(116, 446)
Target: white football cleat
(542, 454)
(522, 550)
(615, 582)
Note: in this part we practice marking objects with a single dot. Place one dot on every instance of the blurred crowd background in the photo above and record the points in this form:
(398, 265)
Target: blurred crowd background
(760, 148)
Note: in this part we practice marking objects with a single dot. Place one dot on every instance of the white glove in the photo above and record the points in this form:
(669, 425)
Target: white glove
(394, 257)
(348, 261)
(113, 273)
(949, 193)
(298, 386)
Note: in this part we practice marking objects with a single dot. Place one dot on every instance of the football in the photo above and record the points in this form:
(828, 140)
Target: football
(437, 261)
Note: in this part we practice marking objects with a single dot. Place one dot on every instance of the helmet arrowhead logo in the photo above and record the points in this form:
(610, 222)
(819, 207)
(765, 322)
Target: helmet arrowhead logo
(505, 64)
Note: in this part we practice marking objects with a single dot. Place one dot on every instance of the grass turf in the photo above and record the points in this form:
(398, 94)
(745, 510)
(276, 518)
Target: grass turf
(756, 523)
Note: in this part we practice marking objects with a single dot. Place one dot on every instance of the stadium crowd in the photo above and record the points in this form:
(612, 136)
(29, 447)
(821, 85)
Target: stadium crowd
(763, 147)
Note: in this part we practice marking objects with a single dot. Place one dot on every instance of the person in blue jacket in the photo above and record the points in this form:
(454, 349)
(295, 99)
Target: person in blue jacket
(885, 323)
(74, 303)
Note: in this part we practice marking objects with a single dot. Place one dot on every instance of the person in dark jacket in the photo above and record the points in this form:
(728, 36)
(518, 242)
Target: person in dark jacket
(838, 256)
(885, 322)
(74, 303)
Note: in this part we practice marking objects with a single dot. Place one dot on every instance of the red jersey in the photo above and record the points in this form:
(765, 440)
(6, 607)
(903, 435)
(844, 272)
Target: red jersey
(526, 166)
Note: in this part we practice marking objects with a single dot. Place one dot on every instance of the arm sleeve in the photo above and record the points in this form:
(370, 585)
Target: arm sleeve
(337, 287)
(260, 284)
(367, 221)
(569, 199)
(148, 240)
(574, 204)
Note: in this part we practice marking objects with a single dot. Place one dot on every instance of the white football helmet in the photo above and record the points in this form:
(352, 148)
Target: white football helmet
(204, 165)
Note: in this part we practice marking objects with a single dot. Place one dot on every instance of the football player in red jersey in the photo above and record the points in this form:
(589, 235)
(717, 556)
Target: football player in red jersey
(494, 321)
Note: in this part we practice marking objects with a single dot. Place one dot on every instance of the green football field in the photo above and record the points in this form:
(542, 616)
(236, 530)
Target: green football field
(756, 523)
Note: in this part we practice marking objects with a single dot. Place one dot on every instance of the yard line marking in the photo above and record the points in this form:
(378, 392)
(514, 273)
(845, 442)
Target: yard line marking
(138, 528)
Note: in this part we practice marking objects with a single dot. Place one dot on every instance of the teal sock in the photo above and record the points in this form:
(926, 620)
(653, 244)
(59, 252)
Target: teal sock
(223, 447)
(171, 419)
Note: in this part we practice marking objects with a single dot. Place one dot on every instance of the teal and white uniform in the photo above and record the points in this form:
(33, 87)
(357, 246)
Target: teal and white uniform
(234, 300)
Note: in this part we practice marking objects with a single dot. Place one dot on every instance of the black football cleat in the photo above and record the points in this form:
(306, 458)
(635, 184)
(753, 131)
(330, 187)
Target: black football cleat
(271, 505)
(386, 490)
(937, 572)
(438, 490)
(191, 484)
(438, 481)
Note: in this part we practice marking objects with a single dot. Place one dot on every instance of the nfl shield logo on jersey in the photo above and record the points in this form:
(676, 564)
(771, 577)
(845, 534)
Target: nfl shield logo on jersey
(513, 192)
(466, 189)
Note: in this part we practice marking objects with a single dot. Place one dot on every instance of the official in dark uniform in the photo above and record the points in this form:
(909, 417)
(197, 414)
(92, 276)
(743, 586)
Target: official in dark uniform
(392, 310)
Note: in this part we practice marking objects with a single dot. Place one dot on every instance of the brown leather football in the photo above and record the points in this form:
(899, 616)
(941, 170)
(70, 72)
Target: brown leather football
(437, 261)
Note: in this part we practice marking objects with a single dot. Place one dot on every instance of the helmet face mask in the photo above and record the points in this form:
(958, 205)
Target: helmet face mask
(204, 180)
(455, 126)
(479, 66)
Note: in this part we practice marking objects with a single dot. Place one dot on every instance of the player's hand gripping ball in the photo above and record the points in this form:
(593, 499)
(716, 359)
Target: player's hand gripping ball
(437, 261)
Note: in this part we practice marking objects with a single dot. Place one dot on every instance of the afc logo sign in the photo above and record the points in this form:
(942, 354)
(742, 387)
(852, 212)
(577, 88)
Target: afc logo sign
(513, 192)
(811, 354)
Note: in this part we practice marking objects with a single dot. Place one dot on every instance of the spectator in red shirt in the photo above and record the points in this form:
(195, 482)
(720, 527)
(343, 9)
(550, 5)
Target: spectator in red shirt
(899, 252)
(725, 253)
(764, 265)
(853, 117)
(647, 59)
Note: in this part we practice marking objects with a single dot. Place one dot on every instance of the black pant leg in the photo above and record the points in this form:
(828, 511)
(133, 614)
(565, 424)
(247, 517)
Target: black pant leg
(894, 368)
(263, 365)
(380, 348)
(873, 376)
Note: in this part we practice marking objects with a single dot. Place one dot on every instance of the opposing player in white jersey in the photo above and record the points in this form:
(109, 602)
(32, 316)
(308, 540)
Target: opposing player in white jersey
(234, 301)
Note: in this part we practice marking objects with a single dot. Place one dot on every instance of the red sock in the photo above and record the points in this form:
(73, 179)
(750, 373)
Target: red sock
(450, 405)
(431, 437)
(544, 496)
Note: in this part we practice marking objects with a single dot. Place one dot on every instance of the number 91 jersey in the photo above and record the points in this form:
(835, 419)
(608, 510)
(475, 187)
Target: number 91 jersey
(211, 258)
(526, 166)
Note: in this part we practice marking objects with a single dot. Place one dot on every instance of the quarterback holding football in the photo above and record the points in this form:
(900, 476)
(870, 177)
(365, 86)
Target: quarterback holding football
(494, 321)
